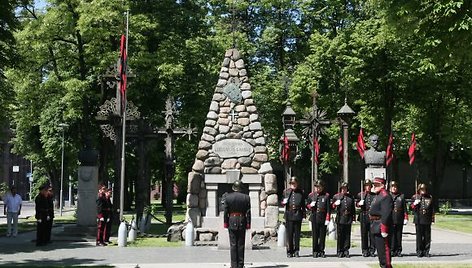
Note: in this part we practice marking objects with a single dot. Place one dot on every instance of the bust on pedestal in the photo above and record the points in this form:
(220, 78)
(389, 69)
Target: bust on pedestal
(87, 185)
(374, 159)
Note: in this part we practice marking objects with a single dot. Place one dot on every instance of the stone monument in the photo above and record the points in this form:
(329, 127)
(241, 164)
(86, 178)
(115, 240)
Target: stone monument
(232, 147)
(374, 160)
(87, 185)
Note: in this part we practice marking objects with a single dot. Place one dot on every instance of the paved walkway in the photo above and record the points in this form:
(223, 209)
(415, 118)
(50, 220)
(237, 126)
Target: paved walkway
(447, 247)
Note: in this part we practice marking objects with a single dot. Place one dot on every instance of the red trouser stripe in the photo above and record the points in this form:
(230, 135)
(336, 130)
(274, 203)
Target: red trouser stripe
(388, 259)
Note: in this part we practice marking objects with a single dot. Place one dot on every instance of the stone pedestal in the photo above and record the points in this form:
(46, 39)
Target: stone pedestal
(372, 172)
(87, 196)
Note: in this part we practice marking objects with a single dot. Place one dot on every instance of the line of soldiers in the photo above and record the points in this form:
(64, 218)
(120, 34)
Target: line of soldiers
(382, 217)
(104, 216)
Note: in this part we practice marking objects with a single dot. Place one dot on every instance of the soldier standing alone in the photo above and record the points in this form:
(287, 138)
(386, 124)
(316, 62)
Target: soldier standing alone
(343, 203)
(399, 218)
(237, 219)
(380, 215)
(42, 215)
(424, 216)
(365, 201)
(319, 205)
(294, 202)
(101, 214)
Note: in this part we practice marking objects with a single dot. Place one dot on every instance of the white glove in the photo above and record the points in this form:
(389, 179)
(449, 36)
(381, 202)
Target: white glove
(384, 234)
(102, 219)
(337, 203)
(326, 223)
(284, 201)
(312, 204)
(417, 201)
(405, 221)
(108, 220)
(48, 218)
(39, 221)
(361, 203)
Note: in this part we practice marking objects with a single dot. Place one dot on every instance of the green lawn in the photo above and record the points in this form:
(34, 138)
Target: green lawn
(460, 223)
(428, 265)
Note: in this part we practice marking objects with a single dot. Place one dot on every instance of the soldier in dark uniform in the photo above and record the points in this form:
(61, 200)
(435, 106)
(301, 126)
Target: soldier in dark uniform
(380, 215)
(423, 209)
(42, 215)
(399, 218)
(237, 219)
(319, 203)
(50, 198)
(101, 212)
(108, 215)
(365, 199)
(294, 202)
(344, 204)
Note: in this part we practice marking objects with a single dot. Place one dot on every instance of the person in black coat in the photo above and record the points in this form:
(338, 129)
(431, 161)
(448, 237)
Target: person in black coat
(364, 201)
(423, 209)
(380, 215)
(319, 204)
(294, 202)
(108, 216)
(237, 219)
(42, 215)
(399, 218)
(343, 204)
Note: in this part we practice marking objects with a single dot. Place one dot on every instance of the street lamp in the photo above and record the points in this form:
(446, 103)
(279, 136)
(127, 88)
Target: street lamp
(63, 126)
(345, 114)
(288, 141)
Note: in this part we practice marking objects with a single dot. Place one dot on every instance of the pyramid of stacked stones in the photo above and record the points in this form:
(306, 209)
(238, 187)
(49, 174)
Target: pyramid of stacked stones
(229, 120)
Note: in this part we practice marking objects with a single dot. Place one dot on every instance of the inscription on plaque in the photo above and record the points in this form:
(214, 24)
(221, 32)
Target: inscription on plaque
(232, 148)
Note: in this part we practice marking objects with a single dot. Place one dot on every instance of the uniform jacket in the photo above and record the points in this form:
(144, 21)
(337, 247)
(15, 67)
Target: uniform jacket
(237, 212)
(42, 208)
(321, 211)
(424, 211)
(346, 211)
(101, 206)
(368, 197)
(399, 212)
(295, 206)
(381, 212)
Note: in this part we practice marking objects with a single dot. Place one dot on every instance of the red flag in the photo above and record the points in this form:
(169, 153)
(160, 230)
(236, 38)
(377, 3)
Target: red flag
(123, 68)
(316, 147)
(389, 154)
(340, 149)
(411, 150)
(361, 144)
(286, 149)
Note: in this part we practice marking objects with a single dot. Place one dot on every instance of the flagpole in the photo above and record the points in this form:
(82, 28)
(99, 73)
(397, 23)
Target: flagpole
(123, 134)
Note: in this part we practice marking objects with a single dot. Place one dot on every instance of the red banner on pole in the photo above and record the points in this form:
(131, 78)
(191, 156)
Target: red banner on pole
(340, 149)
(411, 150)
(123, 68)
(286, 149)
(361, 144)
(389, 153)
(316, 147)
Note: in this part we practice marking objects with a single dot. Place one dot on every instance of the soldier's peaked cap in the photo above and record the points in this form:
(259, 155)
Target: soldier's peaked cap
(367, 182)
(320, 183)
(293, 180)
(344, 185)
(379, 180)
(393, 183)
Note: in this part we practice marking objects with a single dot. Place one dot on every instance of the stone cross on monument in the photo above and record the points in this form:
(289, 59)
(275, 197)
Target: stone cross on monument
(231, 147)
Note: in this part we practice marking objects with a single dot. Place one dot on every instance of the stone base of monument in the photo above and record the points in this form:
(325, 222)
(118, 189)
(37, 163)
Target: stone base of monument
(372, 172)
(87, 196)
(257, 223)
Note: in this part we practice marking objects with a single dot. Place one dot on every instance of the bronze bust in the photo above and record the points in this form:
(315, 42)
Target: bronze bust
(88, 156)
(373, 157)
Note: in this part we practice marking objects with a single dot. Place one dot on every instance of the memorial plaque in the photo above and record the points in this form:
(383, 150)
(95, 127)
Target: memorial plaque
(231, 148)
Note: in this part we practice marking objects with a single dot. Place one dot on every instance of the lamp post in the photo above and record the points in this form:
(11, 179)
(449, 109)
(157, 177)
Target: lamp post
(345, 114)
(288, 141)
(63, 126)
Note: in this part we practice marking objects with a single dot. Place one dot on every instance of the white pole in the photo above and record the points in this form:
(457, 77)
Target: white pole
(62, 172)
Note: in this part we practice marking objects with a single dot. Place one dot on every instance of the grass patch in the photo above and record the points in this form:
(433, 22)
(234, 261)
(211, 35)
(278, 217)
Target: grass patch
(428, 265)
(460, 223)
(154, 242)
